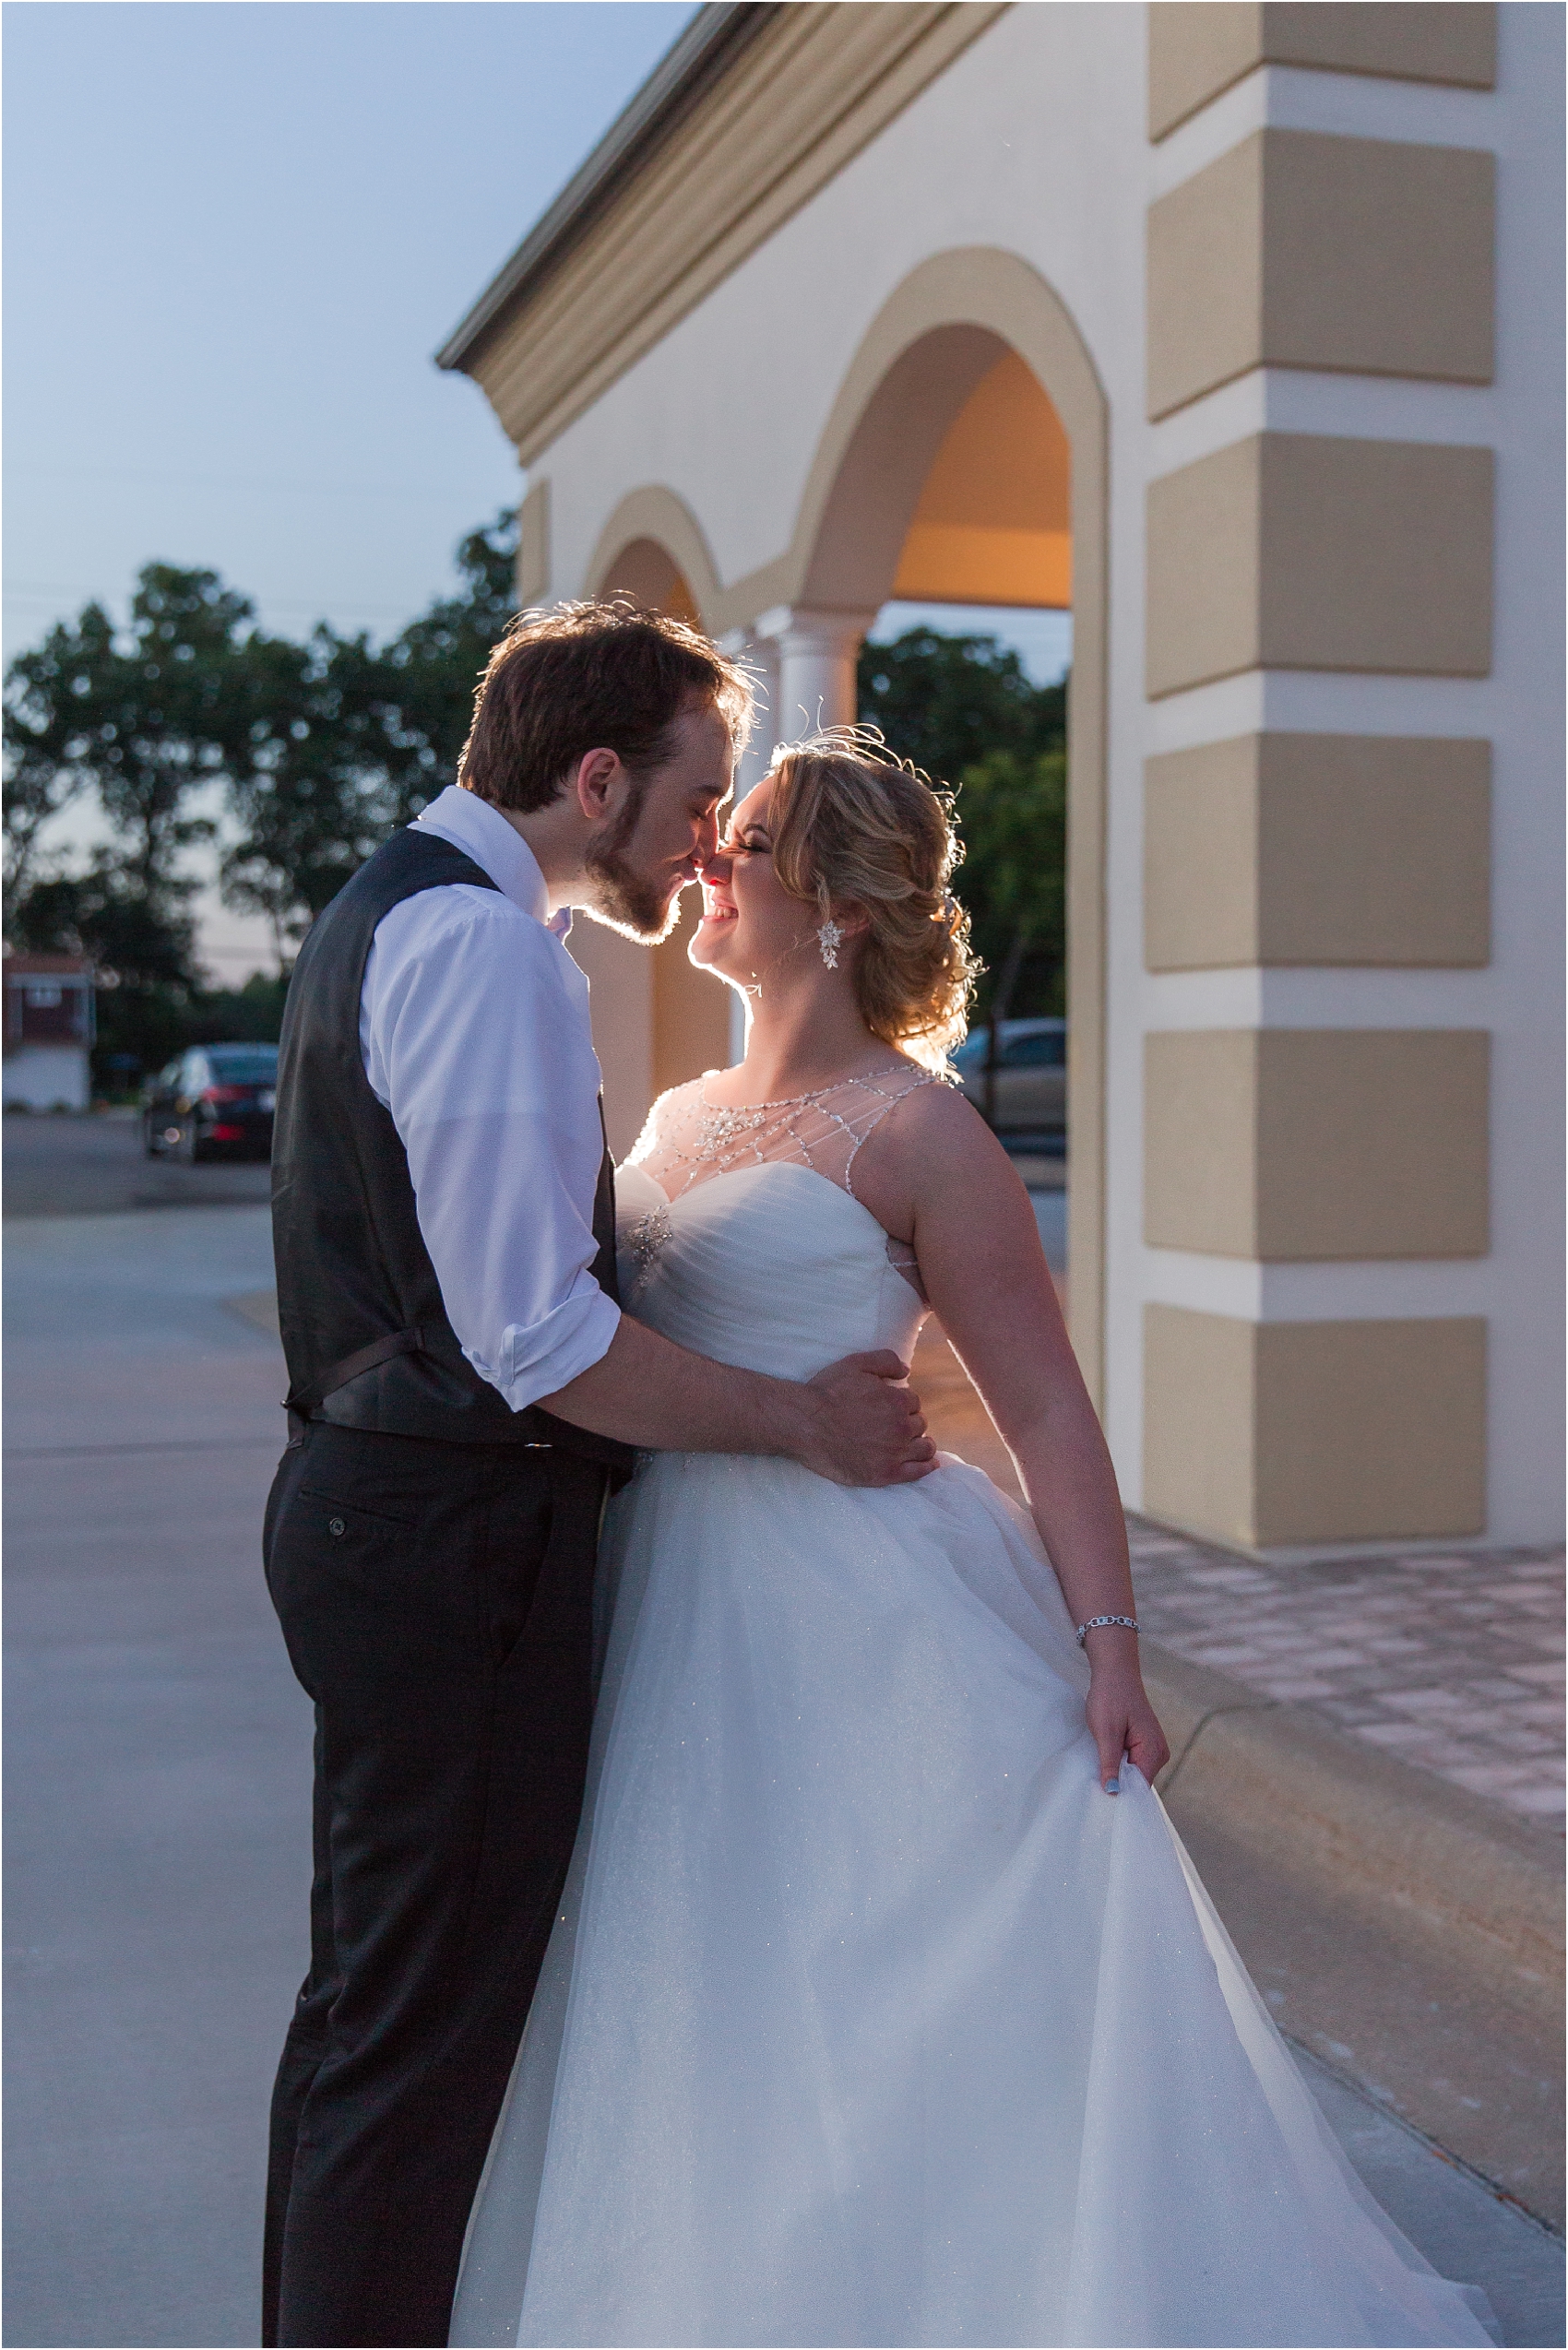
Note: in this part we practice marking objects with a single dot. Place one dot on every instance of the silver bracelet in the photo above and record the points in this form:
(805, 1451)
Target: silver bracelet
(1095, 1622)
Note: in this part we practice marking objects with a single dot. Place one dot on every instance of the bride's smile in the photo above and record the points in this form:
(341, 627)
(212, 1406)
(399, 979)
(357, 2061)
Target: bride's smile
(747, 919)
(751, 924)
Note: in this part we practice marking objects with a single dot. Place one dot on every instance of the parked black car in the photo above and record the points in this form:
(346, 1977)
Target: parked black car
(214, 1102)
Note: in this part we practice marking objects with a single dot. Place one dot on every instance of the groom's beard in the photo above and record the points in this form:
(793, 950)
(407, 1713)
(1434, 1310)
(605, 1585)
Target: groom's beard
(622, 894)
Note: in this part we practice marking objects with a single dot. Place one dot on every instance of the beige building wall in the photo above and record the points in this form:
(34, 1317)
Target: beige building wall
(1274, 1435)
(1349, 850)
(1310, 526)
(1314, 550)
(1294, 249)
(1307, 1145)
(1286, 279)
(1197, 54)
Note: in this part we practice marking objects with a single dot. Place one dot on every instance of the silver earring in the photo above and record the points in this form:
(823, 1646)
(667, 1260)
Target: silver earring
(828, 938)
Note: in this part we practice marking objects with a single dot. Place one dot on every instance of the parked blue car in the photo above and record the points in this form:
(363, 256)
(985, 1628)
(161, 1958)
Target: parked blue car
(1030, 1077)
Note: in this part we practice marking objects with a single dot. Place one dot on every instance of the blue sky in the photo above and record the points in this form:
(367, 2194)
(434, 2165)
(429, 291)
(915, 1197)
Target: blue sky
(234, 233)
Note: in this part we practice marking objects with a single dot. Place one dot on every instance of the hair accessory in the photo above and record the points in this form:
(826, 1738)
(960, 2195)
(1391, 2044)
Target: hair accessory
(1128, 1622)
(828, 938)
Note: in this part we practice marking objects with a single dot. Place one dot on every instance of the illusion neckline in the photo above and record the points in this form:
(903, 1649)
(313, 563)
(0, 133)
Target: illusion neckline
(764, 1166)
(795, 1102)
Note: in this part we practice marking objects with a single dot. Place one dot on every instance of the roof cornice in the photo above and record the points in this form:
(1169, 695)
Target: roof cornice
(709, 46)
(754, 111)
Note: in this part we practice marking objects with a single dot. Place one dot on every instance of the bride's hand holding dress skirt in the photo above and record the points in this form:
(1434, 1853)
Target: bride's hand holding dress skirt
(870, 2017)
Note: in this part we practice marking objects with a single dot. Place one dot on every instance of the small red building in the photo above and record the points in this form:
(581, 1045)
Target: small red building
(50, 1026)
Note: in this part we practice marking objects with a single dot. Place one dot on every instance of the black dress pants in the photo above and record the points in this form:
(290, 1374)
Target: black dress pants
(437, 1604)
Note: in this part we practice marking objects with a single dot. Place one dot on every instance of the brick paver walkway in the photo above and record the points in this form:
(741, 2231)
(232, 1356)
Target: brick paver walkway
(1450, 1660)
(1453, 1661)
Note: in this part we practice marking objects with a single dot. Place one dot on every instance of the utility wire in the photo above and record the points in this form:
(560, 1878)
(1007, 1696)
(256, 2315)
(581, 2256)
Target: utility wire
(45, 591)
(234, 482)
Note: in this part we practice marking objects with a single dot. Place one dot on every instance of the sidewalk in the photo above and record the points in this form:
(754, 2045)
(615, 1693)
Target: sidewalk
(1450, 1662)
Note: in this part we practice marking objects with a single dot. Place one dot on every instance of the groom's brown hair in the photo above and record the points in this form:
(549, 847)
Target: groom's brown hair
(592, 676)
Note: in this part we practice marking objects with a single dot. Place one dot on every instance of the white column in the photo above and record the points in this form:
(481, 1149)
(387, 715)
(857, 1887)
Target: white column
(816, 666)
(760, 656)
(807, 664)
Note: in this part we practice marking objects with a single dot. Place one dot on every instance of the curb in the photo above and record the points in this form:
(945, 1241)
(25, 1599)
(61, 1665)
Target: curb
(1425, 1858)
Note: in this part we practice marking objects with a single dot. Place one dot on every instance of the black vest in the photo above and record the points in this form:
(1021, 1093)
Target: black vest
(364, 1330)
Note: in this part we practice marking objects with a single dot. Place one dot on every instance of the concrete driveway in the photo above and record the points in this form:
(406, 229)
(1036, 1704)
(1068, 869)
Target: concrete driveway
(157, 1748)
(158, 1854)
(71, 1165)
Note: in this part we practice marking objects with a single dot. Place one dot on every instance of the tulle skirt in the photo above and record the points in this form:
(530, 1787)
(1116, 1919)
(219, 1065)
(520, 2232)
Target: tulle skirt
(868, 2018)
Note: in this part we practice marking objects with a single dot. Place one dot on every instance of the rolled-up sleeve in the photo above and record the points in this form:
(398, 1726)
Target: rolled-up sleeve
(476, 1036)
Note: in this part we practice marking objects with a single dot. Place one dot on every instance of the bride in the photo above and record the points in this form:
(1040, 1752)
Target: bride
(883, 2006)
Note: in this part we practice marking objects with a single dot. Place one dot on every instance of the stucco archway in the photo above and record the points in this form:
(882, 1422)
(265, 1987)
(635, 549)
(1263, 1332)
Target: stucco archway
(933, 343)
(657, 1021)
(652, 547)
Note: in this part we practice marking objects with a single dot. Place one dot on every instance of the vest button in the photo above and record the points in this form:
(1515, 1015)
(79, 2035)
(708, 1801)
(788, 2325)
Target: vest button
(336, 1526)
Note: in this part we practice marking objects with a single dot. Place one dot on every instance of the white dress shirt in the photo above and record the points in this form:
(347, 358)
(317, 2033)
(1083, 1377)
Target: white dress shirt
(474, 1031)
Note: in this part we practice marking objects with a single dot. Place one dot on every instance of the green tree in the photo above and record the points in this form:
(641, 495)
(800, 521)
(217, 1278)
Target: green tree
(310, 793)
(167, 719)
(144, 949)
(1012, 820)
(343, 741)
(966, 711)
(145, 719)
(320, 747)
(103, 914)
(948, 702)
(250, 1015)
(53, 731)
(434, 666)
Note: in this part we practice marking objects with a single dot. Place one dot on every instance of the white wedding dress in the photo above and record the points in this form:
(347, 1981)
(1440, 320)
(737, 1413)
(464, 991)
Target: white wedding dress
(868, 2017)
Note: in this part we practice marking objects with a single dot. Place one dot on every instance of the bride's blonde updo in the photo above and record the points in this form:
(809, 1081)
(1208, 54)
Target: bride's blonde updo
(850, 823)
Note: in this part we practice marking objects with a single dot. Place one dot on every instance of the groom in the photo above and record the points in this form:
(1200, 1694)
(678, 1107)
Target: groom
(463, 1390)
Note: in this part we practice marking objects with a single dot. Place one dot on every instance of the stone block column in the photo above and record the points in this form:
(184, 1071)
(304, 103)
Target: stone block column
(1333, 1352)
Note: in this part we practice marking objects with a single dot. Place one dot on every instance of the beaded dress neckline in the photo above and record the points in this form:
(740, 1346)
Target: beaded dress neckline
(688, 1139)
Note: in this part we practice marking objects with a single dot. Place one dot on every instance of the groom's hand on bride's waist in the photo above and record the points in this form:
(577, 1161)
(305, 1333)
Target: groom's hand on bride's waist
(864, 1424)
(857, 1421)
